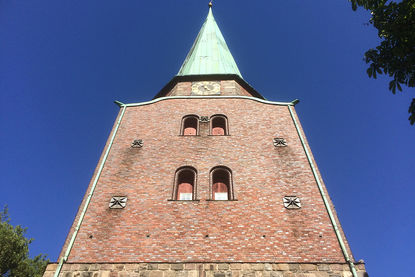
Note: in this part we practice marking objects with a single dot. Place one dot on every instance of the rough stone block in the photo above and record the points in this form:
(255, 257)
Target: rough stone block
(336, 267)
(321, 274)
(66, 267)
(156, 273)
(235, 266)
(48, 274)
(308, 267)
(236, 273)
(95, 267)
(164, 266)
(131, 267)
(209, 267)
(143, 266)
(84, 267)
(176, 266)
(181, 273)
(223, 266)
(257, 267)
(323, 267)
(169, 273)
(282, 267)
(246, 266)
(107, 267)
(51, 267)
(259, 273)
(266, 273)
(294, 267)
(104, 274)
(192, 273)
(276, 274)
(268, 267)
(190, 266)
(248, 274)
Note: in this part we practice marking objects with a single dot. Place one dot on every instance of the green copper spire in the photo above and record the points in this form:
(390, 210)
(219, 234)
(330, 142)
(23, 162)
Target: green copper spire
(209, 53)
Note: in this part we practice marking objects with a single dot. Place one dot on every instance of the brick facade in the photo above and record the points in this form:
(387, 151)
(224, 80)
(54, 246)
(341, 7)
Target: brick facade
(252, 234)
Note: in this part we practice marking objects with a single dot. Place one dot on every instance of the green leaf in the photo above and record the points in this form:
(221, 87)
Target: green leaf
(412, 112)
(392, 86)
(369, 72)
(399, 86)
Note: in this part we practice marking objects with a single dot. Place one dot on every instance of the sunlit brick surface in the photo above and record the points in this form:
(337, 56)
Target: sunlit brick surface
(255, 228)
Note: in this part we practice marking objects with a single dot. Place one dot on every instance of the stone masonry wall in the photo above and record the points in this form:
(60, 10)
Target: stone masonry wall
(206, 270)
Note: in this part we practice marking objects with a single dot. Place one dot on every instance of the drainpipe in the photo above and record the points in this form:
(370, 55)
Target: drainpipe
(323, 194)
(88, 200)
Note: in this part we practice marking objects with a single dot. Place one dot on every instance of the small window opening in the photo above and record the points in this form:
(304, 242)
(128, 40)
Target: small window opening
(221, 184)
(219, 126)
(190, 125)
(185, 184)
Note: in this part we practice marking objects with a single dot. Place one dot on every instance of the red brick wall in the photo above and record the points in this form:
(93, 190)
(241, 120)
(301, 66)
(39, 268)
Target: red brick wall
(255, 228)
(227, 87)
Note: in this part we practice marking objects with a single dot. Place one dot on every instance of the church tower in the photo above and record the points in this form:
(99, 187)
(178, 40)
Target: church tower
(208, 179)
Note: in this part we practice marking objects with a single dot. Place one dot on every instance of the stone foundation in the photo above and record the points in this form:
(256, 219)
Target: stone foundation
(206, 270)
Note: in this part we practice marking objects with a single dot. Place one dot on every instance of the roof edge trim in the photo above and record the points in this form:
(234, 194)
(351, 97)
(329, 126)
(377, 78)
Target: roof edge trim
(292, 103)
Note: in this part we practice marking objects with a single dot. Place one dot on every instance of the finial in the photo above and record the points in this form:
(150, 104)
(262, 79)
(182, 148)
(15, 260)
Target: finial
(210, 4)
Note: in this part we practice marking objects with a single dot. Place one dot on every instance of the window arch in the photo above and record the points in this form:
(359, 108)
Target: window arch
(221, 183)
(219, 125)
(185, 184)
(190, 125)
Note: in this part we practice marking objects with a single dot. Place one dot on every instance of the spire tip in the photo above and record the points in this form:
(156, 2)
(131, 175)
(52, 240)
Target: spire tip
(210, 4)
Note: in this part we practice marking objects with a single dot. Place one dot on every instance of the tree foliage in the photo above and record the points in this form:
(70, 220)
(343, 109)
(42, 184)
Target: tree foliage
(14, 251)
(395, 56)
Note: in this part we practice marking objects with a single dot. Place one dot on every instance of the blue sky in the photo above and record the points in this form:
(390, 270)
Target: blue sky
(62, 63)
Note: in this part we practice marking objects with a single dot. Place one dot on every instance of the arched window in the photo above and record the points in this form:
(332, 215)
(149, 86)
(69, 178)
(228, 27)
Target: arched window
(190, 125)
(185, 184)
(221, 183)
(219, 125)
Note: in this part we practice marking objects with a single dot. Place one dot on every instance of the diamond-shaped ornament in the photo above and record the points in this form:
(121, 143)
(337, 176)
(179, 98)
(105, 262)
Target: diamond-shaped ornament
(292, 202)
(278, 142)
(118, 202)
(137, 143)
(204, 119)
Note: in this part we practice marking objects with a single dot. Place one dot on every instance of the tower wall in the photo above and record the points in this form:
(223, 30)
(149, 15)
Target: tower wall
(254, 227)
(227, 87)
